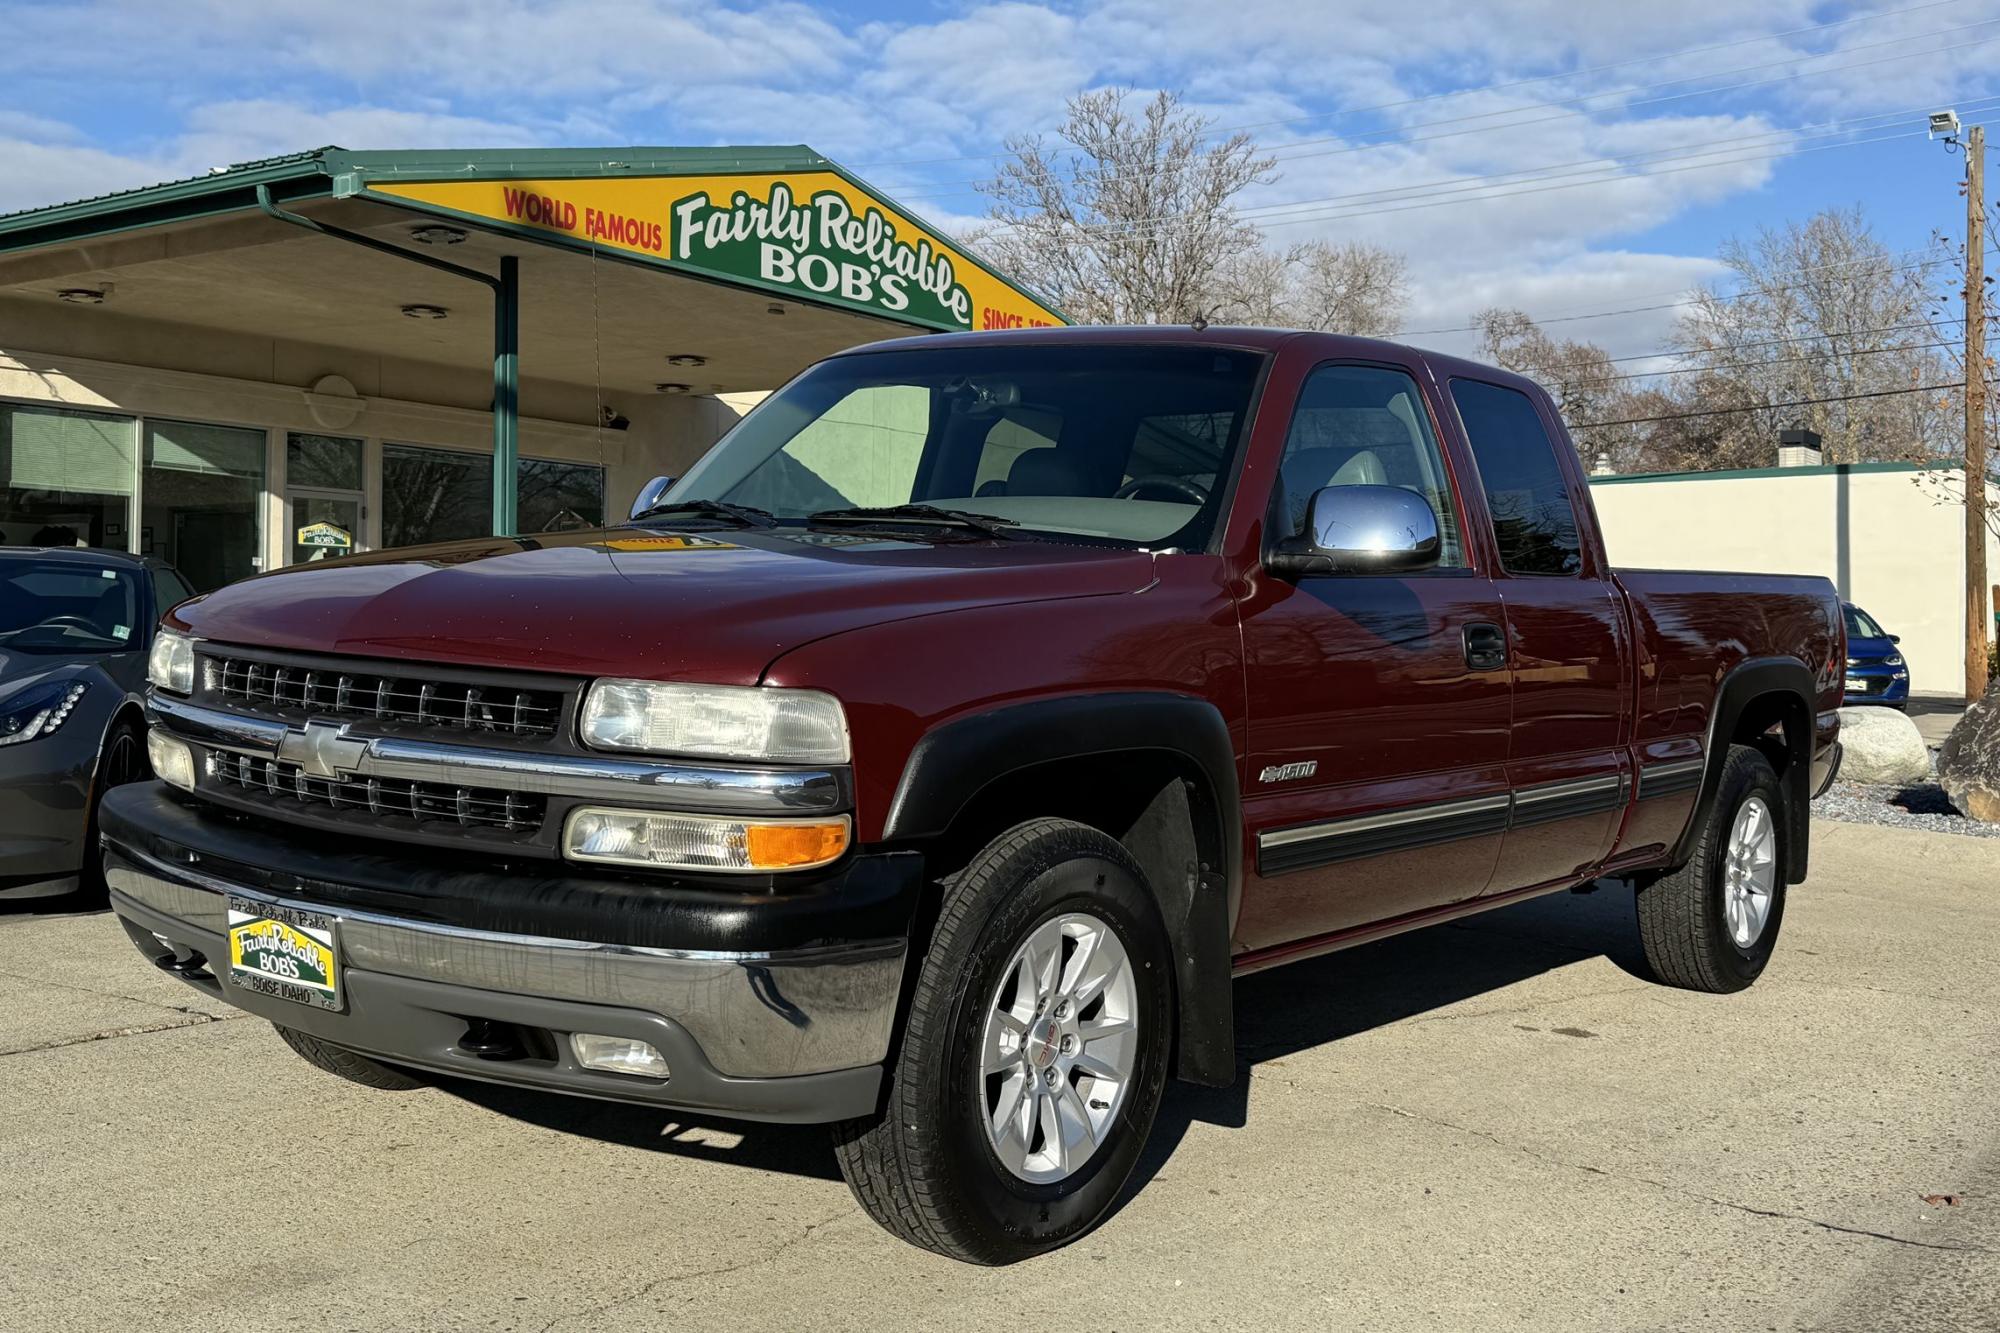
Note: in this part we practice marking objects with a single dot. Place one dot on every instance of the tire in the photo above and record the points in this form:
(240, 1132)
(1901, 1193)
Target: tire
(122, 760)
(350, 1065)
(1691, 938)
(928, 1168)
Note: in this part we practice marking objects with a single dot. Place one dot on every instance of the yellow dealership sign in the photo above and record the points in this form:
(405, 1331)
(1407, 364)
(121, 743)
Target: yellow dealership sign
(813, 234)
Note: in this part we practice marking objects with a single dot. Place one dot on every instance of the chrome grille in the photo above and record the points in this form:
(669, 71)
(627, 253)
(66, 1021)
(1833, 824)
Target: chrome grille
(424, 804)
(328, 692)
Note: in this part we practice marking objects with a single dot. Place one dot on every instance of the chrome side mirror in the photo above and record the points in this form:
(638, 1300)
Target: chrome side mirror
(650, 493)
(1361, 530)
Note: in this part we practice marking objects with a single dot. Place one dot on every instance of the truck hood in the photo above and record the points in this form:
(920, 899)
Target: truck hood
(664, 605)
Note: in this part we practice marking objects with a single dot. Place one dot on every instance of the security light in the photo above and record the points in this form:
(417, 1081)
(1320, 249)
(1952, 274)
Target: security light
(1944, 122)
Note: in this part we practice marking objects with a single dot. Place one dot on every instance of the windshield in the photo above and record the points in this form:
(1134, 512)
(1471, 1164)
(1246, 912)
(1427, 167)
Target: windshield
(1123, 445)
(1861, 625)
(67, 607)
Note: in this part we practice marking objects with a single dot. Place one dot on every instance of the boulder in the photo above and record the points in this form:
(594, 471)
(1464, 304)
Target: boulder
(1881, 746)
(1969, 761)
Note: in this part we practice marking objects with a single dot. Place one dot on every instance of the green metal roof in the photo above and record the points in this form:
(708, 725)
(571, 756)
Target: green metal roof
(334, 170)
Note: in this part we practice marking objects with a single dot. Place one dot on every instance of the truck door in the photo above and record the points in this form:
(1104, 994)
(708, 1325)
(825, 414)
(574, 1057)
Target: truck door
(1567, 641)
(1377, 782)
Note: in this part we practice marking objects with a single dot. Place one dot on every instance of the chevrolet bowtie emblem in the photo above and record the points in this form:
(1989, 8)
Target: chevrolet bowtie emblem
(322, 750)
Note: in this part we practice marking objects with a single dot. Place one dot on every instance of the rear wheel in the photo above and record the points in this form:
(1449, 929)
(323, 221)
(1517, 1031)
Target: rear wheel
(1712, 924)
(350, 1065)
(1034, 1057)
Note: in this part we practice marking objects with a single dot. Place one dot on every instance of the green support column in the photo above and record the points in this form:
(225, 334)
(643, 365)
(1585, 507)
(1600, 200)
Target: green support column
(506, 396)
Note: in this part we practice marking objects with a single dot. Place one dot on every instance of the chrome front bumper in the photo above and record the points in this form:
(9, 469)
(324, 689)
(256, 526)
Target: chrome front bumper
(793, 1035)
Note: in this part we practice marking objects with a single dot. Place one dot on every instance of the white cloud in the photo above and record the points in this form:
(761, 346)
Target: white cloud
(921, 104)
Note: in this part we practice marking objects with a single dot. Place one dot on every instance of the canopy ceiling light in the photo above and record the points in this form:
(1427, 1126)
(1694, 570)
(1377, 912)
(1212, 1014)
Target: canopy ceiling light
(435, 235)
(673, 388)
(686, 359)
(425, 312)
(81, 296)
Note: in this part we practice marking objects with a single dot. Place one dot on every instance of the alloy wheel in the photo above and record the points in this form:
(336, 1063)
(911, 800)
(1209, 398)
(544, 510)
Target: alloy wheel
(1750, 872)
(1060, 1048)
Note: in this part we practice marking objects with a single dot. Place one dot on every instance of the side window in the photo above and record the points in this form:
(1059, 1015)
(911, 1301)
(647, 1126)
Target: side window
(1364, 425)
(168, 592)
(1525, 490)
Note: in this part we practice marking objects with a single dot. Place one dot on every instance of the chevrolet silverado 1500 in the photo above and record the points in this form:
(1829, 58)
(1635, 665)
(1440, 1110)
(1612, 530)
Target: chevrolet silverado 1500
(930, 757)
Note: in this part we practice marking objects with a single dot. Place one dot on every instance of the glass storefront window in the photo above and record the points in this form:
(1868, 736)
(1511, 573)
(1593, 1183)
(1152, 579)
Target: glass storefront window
(322, 462)
(559, 497)
(65, 478)
(203, 500)
(434, 495)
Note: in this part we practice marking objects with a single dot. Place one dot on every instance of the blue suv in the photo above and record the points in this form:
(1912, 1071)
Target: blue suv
(1876, 672)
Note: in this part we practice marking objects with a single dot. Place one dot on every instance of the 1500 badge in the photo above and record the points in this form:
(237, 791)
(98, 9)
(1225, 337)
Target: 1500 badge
(1289, 772)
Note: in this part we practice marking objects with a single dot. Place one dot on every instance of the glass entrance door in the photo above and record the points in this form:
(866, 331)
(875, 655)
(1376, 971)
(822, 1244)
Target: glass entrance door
(322, 524)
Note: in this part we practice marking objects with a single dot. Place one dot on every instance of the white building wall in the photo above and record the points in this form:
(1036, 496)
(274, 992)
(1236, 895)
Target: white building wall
(1891, 537)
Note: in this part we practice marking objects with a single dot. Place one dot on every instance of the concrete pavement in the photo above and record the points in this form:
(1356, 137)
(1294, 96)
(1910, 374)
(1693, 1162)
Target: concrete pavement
(1491, 1125)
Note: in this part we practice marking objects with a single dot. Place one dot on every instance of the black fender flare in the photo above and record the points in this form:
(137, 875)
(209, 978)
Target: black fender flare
(1745, 682)
(954, 762)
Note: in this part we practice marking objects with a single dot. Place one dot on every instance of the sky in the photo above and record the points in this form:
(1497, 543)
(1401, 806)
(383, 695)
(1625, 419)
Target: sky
(1579, 159)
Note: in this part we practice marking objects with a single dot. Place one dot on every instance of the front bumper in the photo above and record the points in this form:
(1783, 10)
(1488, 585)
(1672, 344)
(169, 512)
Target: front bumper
(1875, 684)
(766, 1006)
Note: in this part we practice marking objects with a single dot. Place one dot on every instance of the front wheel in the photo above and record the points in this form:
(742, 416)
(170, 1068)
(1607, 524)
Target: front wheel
(1034, 1057)
(1712, 924)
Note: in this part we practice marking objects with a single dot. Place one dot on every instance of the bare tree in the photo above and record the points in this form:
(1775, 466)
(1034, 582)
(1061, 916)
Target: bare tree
(1587, 388)
(1128, 218)
(1131, 217)
(1826, 329)
(1348, 288)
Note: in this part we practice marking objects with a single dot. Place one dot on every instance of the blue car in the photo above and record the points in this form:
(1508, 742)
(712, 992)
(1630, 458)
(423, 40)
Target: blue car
(1876, 672)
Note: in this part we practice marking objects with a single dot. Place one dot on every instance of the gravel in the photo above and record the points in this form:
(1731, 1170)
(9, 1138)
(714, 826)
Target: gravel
(1921, 805)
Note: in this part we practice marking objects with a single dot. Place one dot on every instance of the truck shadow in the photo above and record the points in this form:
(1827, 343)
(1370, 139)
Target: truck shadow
(1278, 1013)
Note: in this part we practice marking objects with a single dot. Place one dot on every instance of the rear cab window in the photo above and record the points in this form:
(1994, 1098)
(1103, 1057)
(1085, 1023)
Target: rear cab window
(1534, 517)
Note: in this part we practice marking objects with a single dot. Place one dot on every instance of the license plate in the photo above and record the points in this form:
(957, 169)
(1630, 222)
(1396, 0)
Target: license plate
(285, 952)
(1856, 686)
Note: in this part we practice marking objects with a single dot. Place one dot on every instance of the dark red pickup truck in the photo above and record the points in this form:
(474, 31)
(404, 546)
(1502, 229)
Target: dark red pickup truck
(929, 758)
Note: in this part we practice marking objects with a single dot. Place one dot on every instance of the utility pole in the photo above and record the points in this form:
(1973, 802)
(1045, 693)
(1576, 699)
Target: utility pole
(1977, 614)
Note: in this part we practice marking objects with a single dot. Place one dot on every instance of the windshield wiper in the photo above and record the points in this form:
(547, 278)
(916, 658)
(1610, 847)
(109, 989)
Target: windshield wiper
(990, 524)
(744, 515)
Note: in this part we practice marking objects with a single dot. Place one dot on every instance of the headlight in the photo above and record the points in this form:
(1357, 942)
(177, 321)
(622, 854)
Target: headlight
(1893, 659)
(716, 721)
(699, 842)
(170, 665)
(38, 710)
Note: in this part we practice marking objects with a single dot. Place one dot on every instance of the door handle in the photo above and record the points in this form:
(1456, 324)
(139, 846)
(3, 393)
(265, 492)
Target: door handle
(1485, 646)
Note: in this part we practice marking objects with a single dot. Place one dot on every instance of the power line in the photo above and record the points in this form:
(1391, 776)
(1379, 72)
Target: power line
(1345, 112)
(1565, 107)
(1762, 365)
(1677, 152)
(1779, 342)
(1768, 407)
(1682, 304)
(1151, 226)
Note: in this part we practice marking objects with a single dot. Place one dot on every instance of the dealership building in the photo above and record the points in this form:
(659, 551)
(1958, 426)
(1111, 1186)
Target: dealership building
(338, 351)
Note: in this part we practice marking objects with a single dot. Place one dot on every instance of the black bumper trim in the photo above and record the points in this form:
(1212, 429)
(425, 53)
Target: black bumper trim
(870, 896)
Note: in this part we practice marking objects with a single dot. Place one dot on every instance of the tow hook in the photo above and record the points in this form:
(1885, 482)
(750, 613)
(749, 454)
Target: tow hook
(490, 1041)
